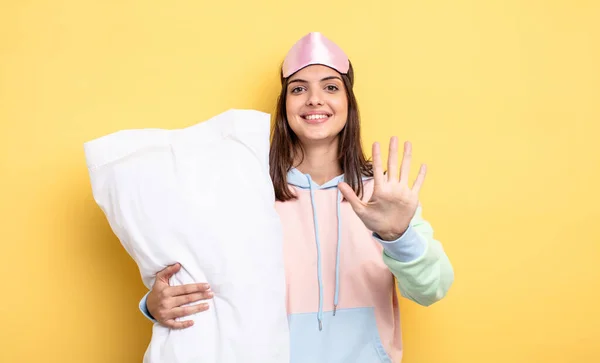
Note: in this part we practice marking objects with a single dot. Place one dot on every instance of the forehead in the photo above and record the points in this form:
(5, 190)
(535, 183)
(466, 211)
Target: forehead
(314, 72)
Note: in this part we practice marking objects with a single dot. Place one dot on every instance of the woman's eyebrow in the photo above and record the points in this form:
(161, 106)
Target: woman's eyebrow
(297, 80)
(323, 79)
(331, 77)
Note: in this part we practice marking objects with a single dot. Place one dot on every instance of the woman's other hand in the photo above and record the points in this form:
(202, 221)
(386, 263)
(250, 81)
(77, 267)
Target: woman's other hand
(165, 302)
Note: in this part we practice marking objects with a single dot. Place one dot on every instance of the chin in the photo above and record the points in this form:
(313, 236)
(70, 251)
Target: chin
(317, 138)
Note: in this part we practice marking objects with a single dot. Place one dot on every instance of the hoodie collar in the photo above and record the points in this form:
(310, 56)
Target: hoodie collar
(297, 179)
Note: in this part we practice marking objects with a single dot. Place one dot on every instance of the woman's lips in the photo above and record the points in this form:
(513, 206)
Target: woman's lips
(316, 118)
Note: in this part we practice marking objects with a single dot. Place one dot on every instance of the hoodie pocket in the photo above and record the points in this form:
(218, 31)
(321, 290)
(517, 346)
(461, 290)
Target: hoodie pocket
(349, 336)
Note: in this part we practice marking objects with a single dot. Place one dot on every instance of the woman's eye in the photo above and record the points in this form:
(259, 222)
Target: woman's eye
(332, 88)
(296, 89)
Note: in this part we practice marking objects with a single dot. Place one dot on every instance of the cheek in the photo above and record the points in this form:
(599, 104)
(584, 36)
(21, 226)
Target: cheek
(340, 107)
(291, 111)
(293, 103)
(289, 116)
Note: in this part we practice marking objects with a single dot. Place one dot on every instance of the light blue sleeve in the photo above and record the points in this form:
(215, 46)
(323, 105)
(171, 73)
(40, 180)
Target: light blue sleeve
(406, 248)
(144, 308)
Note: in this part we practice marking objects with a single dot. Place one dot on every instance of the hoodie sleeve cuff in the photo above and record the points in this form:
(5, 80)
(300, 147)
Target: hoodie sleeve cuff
(409, 247)
(144, 308)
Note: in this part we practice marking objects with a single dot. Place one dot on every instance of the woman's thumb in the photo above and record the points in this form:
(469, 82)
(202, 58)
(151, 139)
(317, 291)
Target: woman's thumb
(166, 273)
(351, 197)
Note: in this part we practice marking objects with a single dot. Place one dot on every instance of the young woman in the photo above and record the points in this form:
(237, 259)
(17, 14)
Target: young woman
(349, 227)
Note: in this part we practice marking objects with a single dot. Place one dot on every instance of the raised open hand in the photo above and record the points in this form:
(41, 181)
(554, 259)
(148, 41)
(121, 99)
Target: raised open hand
(393, 202)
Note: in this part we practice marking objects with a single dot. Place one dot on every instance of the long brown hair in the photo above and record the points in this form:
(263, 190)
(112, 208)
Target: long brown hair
(284, 143)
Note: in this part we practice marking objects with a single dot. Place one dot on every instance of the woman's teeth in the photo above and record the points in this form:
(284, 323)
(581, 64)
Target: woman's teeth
(316, 117)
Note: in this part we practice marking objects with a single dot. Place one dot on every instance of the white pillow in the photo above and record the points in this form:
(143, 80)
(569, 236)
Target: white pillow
(202, 196)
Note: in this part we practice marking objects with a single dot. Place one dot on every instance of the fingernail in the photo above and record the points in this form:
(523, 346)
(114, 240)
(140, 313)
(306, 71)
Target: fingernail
(210, 294)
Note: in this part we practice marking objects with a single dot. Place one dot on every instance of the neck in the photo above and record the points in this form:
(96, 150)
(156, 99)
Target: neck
(320, 162)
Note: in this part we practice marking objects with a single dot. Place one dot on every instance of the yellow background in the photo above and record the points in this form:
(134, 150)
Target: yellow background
(500, 99)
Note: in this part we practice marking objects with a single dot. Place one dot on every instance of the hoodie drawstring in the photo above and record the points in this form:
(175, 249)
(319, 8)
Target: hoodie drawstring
(337, 258)
(319, 274)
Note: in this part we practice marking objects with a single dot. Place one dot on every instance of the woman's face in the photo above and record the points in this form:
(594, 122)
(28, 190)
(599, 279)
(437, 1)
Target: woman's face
(316, 104)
